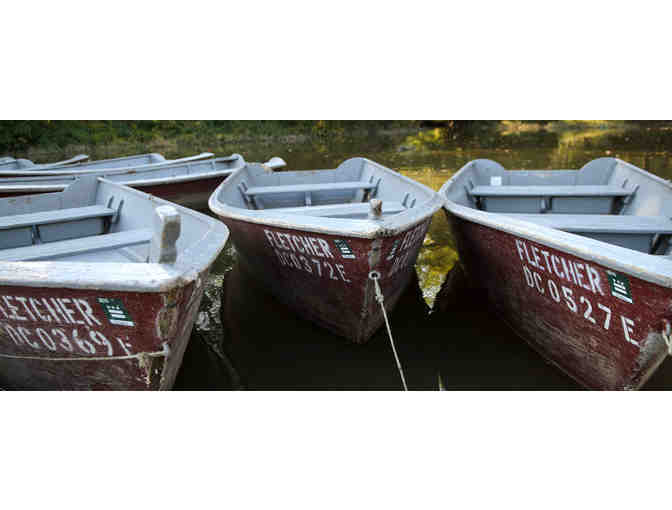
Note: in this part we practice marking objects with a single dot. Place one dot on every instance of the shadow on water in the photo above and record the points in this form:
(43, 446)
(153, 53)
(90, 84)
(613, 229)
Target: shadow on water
(272, 348)
(257, 343)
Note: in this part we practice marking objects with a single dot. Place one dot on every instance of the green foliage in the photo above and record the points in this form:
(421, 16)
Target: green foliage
(20, 135)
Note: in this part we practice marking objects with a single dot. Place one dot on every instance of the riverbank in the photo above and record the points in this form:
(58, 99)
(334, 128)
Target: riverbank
(36, 138)
(43, 141)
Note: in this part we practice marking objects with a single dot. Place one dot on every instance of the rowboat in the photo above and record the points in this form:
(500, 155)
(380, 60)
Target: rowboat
(128, 164)
(19, 168)
(9, 163)
(99, 286)
(187, 183)
(313, 238)
(577, 262)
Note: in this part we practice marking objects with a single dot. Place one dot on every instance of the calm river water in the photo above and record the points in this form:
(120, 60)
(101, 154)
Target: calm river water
(246, 339)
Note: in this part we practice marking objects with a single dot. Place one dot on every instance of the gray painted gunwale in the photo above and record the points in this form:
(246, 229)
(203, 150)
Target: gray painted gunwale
(47, 184)
(362, 228)
(6, 162)
(655, 269)
(81, 168)
(123, 276)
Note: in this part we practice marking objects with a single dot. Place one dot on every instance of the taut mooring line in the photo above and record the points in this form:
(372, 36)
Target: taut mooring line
(375, 276)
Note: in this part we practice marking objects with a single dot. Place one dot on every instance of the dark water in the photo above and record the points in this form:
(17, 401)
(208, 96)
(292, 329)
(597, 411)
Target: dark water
(440, 332)
(246, 339)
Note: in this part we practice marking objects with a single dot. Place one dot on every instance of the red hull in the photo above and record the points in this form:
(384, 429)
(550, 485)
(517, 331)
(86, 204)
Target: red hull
(48, 335)
(325, 278)
(601, 327)
(192, 194)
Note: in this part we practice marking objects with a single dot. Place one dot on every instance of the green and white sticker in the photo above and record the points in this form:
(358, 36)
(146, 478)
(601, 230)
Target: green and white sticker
(344, 248)
(393, 251)
(620, 286)
(115, 312)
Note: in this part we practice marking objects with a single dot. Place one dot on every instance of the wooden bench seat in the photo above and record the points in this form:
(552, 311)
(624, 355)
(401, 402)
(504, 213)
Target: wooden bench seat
(77, 246)
(335, 210)
(303, 188)
(57, 216)
(551, 191)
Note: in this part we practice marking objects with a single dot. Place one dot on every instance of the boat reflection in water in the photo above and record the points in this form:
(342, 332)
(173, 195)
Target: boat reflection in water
(258, 343)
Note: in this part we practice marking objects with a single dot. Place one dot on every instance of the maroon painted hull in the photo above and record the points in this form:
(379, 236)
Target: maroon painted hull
(48, 337)
(325, 278)
(601, 327)
(193, 194)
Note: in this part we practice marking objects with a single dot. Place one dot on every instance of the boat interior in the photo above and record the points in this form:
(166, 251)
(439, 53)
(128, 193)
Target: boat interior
(9, 163)
(123, 162)
(607, 199)
(357, 189)
(94, 220)
(220, 167)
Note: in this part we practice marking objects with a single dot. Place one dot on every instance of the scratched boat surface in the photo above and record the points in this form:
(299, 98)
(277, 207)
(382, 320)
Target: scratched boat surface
(313, 237)
(577, 262)
(77, 166)
(99, 286)
(188, 183)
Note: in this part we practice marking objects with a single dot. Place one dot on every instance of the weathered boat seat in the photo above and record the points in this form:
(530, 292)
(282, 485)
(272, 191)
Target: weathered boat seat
(77, 246)
(621, 224)
(634, 232)
(303, 188)
(342, 210)
(574, 199)
(551, 191)
(58, 216)
(56, 225)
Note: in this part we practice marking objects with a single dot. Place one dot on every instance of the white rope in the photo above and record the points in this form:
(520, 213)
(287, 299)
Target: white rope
(141, 355)
(667, 336)
(375, 276)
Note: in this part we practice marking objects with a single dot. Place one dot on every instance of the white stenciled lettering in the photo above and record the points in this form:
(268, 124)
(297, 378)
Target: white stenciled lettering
(331, 270)
(628, 325)
(589, 309)
(13, 309)
(23, 302)
(269, 236)
(34, 304)
(297, 244)
(594, 279)
(325, 248)
(537, 283)
(579, 273)
(46, 339)
(64, 341)
(607, 317)
(553, 289)
(13, 334)
(579, 276)
(63, 302)
(61, 315)
(87, 312)
(25, 334)
(519, 247)
(529, 279)
(99, 338)
(291, 250)
(569, 299)
(306, 264)
(341, 272)
(555, 260)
